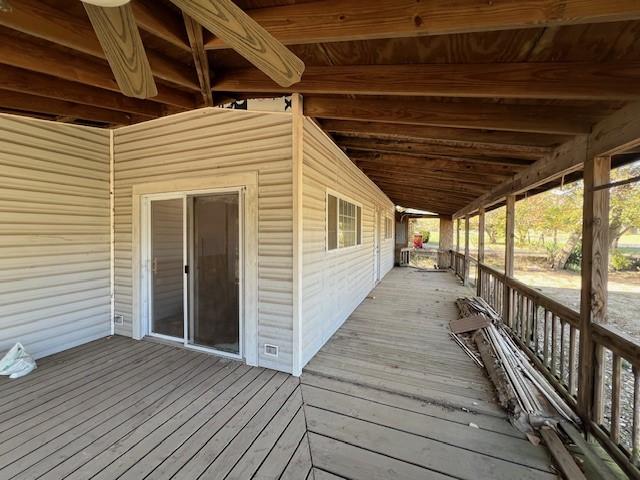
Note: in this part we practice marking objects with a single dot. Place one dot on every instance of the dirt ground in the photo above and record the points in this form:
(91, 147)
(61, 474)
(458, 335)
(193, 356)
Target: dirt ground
(564, 286)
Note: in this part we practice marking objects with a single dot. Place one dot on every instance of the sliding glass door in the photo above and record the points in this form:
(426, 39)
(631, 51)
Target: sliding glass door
(195, 269)
(215, 279)
(167, 267)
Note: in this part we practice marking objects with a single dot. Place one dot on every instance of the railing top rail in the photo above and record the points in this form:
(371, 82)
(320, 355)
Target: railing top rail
(617, 341)
(567, 313)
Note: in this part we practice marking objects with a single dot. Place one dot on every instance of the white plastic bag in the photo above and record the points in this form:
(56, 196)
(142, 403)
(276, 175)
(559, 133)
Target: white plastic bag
(17, 362)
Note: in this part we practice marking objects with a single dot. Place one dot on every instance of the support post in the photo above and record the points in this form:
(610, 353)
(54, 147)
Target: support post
(593, 301)
(457, 234)
(445, 242)
(297, 154)
(508, 256)
(480, 249)
(466, 250)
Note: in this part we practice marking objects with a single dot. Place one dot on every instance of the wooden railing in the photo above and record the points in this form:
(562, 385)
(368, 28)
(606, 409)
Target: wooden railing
(549, 333)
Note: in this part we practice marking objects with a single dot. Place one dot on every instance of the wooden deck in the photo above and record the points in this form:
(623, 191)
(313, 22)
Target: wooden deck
(392, 396)
(388, 397)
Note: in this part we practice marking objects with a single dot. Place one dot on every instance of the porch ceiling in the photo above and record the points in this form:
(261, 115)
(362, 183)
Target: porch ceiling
(436, 103)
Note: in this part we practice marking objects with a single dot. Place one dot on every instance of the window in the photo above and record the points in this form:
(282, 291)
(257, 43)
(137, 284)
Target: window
(388, 228)
(344, 223)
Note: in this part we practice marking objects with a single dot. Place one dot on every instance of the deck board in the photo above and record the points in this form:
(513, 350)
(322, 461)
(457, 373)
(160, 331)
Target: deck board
(390, 396)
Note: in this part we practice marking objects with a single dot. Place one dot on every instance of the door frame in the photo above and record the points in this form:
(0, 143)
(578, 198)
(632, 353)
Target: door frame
(142, 195)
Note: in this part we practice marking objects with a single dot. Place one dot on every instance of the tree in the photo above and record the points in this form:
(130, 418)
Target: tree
(624, 213)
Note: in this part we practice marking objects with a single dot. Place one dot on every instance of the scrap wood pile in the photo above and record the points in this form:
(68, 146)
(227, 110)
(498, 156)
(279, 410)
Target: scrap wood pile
(533, 405)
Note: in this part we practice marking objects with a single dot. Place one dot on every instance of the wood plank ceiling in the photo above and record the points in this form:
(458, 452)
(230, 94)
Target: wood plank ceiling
(436, 101)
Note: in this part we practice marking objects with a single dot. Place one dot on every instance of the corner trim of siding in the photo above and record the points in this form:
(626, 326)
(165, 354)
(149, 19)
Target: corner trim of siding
(297, 160)
(112, 269)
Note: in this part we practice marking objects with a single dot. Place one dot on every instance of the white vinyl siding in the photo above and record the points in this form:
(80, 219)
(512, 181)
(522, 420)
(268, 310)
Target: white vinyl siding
(55, 242)
(208, 142)
(334, 282)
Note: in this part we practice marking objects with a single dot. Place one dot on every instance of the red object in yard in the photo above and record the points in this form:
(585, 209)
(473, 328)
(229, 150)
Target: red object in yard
(417, 240)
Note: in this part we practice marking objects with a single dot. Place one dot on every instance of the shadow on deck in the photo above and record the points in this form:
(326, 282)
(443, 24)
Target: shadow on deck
(390, 396)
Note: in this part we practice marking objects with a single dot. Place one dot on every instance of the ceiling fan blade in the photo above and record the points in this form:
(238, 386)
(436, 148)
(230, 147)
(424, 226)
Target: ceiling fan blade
(120, 40)
(229, 22)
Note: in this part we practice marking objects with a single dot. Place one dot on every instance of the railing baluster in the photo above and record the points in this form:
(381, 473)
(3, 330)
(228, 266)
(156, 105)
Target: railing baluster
(616, 367)
(545, 351)
(552, 366)
(598, 385)
(635, 435)
(562, 350)
(572, 359)
(536, 333)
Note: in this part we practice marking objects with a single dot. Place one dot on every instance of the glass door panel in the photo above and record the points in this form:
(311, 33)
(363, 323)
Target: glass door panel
(214, 320)
(167, 264)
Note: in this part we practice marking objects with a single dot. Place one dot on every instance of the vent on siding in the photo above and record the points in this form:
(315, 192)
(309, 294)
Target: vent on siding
(118, 319)
(271, 350)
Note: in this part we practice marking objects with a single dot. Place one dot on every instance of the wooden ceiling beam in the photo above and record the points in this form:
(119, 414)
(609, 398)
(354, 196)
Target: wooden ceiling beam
(573, 81)
(51, 61)
(160, 21)
(614, 134)
(523, 143)
(426, 149)
(33, 103)
(550, 119)
(347, 20)
(434, 164)
(451, 188)
(23, 81)
(431, 175)
(56, 25)
(200, 59)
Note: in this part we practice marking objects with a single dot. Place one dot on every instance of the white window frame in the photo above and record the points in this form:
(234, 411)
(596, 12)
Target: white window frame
(345, 198)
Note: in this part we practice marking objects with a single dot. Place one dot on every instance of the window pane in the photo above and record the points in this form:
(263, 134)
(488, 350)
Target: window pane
(359, 225)
(332, 227)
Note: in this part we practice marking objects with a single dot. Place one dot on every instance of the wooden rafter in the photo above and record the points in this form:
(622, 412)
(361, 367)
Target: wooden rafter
(32, 103)
(519, 118)
(429, 149)
(344, 20)
(56, 25)
(200, 60)
(160, 21)
(618, 132)
(32, 56)
(523, 143)
(576, 81)
(436, 164)
(27, 82)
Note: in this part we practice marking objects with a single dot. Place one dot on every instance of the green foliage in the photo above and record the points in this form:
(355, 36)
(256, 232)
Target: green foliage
(574, 262)
(620, 262)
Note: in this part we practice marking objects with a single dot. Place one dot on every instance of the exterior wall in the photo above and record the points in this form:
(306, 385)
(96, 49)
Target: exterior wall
(335, 282)
(55, 242)
(210, 142)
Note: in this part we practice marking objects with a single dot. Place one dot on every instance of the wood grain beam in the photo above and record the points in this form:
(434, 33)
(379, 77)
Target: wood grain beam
(24, 81)
(346, 20)
(35, 57)
(435, 164)
(485, 116)
(522, 143)
(484, 181)
(33, 103)
(162, 22)
(574, 81)
(58, 26)
(451, 188)
(426, 149)
(618, 132)
(200, 60)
